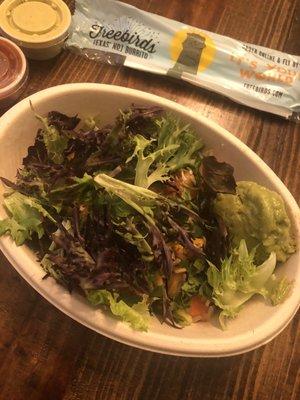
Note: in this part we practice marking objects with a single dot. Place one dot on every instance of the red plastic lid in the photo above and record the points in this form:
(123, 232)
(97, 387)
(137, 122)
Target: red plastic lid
(13, 68)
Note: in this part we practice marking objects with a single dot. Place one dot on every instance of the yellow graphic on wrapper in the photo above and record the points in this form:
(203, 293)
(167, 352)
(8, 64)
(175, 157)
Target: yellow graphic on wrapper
(192, 50)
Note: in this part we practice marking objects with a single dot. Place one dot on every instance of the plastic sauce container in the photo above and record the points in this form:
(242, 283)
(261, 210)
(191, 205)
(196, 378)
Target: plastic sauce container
(13, 72)
(39, 27)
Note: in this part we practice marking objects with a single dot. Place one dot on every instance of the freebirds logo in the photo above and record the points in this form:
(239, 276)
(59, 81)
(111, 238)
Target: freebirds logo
(192, 51)
(126, 36)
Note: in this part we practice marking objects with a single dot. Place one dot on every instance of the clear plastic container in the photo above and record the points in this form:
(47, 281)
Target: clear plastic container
(13, 72)
(38, 27)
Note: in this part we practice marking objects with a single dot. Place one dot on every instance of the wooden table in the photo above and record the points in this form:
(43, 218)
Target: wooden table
(45, 355)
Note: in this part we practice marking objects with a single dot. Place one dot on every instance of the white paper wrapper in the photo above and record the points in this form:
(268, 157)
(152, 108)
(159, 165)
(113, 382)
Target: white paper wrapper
(117, 33)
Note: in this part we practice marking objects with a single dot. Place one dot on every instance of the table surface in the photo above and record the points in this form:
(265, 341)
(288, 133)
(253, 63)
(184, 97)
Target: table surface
(46, 355)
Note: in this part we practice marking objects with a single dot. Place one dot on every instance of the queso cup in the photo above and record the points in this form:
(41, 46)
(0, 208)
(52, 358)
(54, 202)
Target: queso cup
(38, 27)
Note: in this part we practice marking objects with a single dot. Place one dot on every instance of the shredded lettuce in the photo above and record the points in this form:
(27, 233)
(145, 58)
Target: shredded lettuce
(136, 316)
(238, 279)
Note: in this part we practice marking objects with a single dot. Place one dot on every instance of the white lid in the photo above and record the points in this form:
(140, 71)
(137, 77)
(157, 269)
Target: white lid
(35, 23)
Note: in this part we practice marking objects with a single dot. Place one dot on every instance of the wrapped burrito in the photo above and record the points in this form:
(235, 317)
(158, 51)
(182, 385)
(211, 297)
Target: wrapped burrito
(116, 33)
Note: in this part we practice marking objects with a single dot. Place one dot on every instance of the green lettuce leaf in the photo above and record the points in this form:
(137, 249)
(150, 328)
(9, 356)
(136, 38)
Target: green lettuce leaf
(173, 132)
(128, 230)
(18, 232)
(176, 147)
(238, 279)
(143, 176)
(141, 199)
(81, 191)
(49, 268)
(55, 142)
(136, 316)
(277, 290)
(191, 285)
(182, 317)
(26, 216)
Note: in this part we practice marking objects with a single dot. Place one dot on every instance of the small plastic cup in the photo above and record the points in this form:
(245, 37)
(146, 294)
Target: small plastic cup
(38, 27)
(13, 72)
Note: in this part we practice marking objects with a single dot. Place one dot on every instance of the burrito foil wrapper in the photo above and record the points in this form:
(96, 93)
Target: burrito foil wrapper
(116, 33)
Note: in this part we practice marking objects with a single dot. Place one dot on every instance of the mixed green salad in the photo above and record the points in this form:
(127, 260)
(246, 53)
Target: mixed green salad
(140, 218)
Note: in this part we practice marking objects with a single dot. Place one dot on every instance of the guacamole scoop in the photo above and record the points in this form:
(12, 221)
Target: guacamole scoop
(257, 215)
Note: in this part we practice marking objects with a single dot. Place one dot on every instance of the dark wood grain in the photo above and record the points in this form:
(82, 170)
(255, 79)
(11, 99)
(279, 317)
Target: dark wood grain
(45, 355)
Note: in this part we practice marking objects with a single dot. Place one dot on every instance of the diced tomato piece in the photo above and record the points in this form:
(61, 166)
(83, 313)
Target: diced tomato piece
(199, 309)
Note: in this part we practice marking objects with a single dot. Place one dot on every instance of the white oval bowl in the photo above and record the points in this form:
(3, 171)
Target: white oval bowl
(257, 323)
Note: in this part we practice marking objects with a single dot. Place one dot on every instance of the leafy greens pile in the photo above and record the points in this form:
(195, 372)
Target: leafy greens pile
(123, 214)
